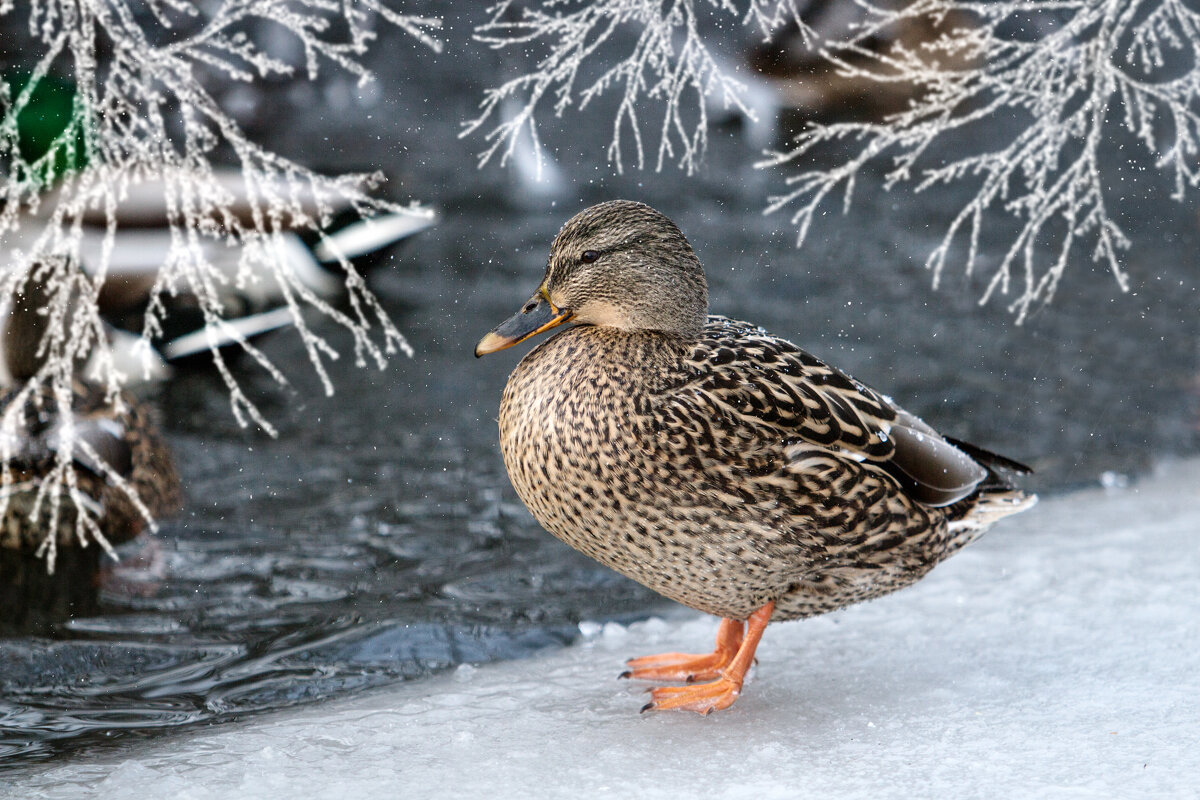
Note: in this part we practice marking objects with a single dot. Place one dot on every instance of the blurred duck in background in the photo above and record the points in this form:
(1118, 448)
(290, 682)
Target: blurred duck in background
(253, 303)
(114, 448)
(810, 85)
(253, 299)
(121, 442)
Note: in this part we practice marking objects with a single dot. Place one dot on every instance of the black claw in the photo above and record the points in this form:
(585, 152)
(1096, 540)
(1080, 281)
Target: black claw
(648, 707)
(625, 674)
(690, 679)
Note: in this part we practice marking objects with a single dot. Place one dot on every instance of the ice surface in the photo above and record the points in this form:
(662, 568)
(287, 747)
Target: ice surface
(1057, 657)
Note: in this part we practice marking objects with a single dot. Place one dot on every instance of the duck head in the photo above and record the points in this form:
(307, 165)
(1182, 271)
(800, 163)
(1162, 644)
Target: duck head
(619, 264)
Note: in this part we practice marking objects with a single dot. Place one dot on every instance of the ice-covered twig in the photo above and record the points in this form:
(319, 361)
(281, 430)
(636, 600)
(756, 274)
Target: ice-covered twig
(662, 58)
(1063, 77)
(1071, 72)
(141, 111)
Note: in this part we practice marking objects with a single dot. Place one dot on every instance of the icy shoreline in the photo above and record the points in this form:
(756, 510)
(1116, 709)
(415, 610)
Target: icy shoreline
(1057, 657)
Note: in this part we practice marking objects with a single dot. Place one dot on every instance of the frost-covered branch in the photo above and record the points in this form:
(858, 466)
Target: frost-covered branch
(1062, 77)
(142, 112)
(646, 50)
(1071, 72)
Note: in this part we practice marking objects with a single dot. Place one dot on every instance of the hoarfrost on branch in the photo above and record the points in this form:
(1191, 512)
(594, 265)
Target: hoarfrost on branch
(1071, 72)
(142, 110)
(669, 64)
(1091, 66)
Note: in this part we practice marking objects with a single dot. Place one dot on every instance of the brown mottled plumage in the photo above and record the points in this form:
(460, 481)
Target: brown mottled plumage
(721, 466)
(123, 437)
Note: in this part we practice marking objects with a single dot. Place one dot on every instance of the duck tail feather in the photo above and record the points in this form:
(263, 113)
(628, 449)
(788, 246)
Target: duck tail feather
(989, 459)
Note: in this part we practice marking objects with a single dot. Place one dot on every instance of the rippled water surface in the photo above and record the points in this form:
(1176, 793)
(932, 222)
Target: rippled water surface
(377, 538)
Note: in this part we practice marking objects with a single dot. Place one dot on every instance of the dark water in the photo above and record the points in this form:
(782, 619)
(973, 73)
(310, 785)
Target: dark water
(378, 539)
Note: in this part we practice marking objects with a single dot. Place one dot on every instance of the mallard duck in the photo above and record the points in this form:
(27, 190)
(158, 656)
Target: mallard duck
(719, 465)
(802, 64)
(124, 443)
(251, 308)
(253, 300)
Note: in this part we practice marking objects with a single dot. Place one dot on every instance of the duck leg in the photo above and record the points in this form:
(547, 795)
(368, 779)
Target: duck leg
(689, 667)
(704, 698)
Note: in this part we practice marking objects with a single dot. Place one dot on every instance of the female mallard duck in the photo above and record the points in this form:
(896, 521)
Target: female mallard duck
(124, 448)
(720, 466)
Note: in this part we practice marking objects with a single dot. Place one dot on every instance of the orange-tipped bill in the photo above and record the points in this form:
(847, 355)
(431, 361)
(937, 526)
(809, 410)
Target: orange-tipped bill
(538, 315)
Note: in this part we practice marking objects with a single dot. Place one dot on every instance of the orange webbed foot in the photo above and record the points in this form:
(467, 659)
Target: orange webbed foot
(705, 698)
(689, 667)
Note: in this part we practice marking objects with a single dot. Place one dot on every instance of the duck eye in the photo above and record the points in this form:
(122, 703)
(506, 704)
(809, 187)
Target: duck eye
(589, 256)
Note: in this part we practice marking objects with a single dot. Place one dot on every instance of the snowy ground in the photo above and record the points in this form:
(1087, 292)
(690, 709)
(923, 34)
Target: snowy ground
(1057, 657)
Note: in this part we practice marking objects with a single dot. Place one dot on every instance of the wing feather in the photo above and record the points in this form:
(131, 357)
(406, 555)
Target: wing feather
(771, 383)
(769, 390)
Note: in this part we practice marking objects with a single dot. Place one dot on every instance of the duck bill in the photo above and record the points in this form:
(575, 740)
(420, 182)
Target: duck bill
(522, 325)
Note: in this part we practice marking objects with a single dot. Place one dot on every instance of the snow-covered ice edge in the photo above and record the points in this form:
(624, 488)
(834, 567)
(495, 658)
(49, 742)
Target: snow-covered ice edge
(1057, 657)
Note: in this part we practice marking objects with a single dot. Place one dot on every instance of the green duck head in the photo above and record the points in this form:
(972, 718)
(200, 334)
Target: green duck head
(619, 264)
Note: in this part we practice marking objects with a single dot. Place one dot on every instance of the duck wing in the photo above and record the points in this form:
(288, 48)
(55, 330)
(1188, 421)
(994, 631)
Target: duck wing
(752, 381)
